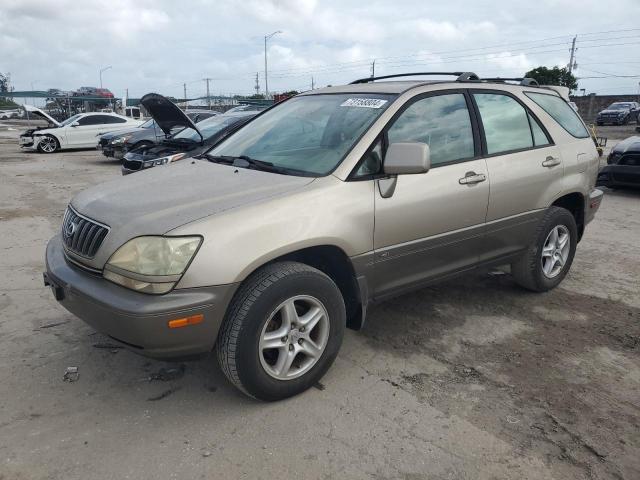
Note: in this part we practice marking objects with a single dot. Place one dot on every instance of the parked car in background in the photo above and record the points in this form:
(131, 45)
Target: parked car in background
(117, 144)
(85, 92)
(104, 92)
(619, 113)
(623, 165)
(7, 114)
(79, 131)
(192, 137)
(328, 201)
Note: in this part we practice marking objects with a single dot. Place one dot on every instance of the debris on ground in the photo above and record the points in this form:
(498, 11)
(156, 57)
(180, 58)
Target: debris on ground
(71, 374)
(164, 394)
(51, 325)
(168, 374)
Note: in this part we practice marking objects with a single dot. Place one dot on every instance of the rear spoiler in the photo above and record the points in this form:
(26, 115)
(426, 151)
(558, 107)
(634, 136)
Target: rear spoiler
(562, 91)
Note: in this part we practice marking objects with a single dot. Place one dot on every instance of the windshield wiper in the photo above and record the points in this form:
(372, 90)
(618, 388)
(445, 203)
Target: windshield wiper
(244, 161)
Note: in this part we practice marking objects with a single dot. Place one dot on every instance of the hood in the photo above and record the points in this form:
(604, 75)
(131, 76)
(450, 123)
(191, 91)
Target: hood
(32, 111)
(631, 144)
(119, 133)
(166, 113)
(161, 199)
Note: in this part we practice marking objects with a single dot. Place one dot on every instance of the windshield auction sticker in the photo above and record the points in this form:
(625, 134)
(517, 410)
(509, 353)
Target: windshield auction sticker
(363, 102)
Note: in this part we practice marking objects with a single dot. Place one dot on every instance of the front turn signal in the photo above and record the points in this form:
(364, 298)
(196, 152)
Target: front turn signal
(185, 322)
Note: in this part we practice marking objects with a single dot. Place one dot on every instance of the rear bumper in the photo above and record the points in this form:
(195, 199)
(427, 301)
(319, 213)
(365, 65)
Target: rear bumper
(138, 321)
(593, 204)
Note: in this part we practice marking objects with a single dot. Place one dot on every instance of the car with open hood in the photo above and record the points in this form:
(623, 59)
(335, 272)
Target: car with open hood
(78, 131)
(191, 138)
(266, 247)
(623, 165)
(619, 113)
(34, 113)
(117, 144)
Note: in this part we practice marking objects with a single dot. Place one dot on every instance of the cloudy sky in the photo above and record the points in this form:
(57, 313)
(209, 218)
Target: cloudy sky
(157, 45)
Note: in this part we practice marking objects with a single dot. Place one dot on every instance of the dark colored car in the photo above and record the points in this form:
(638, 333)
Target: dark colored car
(623, 165)
(117, 144)
(619, 113)
(192, 139)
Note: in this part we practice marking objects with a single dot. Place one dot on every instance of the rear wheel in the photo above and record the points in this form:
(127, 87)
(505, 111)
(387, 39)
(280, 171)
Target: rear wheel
(282, 332)
(549, 258)
(48, 144)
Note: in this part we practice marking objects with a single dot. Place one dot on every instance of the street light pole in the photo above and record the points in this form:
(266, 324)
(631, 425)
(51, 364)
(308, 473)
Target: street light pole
(102, 70)
(266, 81)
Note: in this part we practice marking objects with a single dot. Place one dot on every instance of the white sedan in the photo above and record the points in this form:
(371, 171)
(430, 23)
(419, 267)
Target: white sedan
(79, 131)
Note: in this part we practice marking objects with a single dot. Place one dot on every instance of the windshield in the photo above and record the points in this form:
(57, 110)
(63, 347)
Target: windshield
(310, 133)
(71, 119)
(208, 128)
(618, 106)
(149, 124)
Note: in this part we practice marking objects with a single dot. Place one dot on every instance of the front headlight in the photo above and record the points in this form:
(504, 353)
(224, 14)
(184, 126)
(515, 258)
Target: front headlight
(120, 140)
(163, 160)
(151, 264)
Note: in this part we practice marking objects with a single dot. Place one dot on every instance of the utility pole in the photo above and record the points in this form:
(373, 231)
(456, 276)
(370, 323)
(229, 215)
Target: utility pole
(373, 69)
(208, 97)
(257, 83)
(184, 87)
(573, 53)
(312, 84)
(266, 80)
(102, 70)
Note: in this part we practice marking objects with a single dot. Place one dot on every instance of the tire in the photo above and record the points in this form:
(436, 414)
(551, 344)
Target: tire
(259, 308)
(49, 144)
(529, 270)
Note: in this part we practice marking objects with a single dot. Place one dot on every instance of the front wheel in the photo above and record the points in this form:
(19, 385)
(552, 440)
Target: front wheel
(48, 144)
(282, 331)
(548, 260)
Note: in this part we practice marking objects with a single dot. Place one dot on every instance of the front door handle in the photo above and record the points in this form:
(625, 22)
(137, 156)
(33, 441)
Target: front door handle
(551, 162)
(472, 177)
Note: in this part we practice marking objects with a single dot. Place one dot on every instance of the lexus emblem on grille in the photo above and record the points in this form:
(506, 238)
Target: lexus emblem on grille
(70, 228)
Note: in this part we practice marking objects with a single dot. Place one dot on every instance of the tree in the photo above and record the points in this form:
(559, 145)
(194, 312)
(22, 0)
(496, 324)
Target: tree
(553, 76)
(5, 82)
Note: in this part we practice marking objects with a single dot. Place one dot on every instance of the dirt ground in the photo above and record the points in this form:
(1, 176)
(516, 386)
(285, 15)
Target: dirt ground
(471, 379)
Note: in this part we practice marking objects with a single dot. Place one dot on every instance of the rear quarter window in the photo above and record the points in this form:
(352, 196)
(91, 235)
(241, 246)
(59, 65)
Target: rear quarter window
(561, 112)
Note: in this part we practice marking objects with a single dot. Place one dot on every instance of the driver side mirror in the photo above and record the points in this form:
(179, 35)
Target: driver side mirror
(407, 158)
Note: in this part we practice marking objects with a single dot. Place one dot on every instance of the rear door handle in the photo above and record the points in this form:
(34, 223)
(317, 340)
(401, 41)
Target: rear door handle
(472, 177)
(551, 162)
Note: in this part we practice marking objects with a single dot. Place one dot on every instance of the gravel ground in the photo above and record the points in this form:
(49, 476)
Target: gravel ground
(471, 379)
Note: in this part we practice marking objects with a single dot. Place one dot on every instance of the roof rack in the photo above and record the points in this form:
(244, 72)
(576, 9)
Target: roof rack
(461, 76)
(524, 81)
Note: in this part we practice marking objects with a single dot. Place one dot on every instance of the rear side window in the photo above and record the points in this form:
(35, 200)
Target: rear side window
(112, 119)
(442, 122)
(561, 112)
(540, 138)
(505, 122)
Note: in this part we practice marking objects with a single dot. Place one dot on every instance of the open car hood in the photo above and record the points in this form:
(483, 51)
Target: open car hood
(166, 113)
(36, 112)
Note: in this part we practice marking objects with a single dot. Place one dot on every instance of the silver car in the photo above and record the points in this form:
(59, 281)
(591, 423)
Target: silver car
(267, 246)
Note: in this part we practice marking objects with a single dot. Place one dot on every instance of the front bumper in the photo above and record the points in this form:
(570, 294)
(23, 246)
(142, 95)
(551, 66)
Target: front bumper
(117, 152)
(138, 321)
(593, 204)
(619, 176)
(27, 143)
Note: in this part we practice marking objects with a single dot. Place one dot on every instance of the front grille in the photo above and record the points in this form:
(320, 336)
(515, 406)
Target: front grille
(81, 235)
(132, 164)
(103, 142)
(631, 159)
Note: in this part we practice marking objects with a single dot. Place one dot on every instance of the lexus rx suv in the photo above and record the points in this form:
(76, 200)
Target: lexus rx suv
(278, 238)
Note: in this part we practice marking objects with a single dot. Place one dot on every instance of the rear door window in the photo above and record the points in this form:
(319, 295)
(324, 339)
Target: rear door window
(561, 112)
(505, 122)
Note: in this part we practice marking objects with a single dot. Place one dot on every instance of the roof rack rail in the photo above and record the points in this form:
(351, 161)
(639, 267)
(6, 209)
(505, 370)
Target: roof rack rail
(531, 82)
(461, 76)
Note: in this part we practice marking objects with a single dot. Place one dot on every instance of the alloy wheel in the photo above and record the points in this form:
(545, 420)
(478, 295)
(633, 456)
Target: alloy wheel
(294, 337)
(48, 144)
(555, 251)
